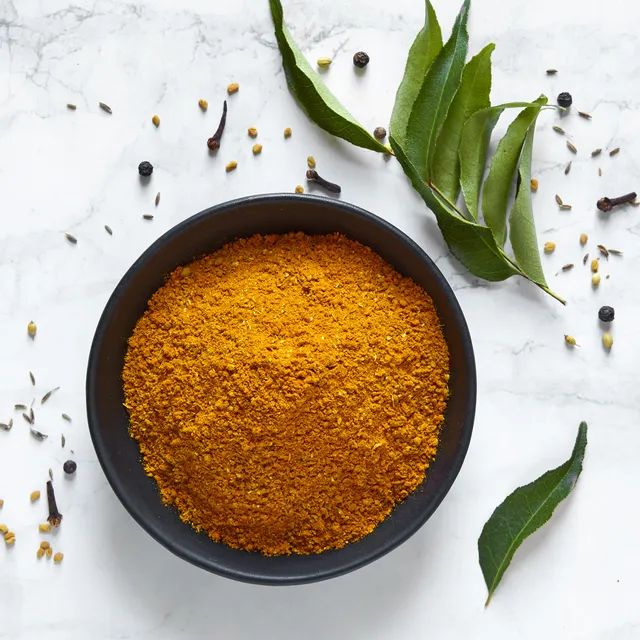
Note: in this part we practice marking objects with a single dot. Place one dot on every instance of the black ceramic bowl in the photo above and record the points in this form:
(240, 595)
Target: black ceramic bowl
(203, 233)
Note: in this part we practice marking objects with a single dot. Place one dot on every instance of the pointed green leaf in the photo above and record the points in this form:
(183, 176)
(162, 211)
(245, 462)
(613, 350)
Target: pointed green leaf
(499, 181)
(438, 89)
(471, 96)
(525, 511)
(424, 49)
(473, 244)
(522, 228)
(311, 92)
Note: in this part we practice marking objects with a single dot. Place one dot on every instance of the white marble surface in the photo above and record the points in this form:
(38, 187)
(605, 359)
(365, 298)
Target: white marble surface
(76, 171)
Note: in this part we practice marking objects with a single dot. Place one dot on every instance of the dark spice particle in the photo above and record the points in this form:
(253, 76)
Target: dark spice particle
(47, 395)
(615, 252)
(6, 426)
(28, 418)
(19, 407)
(558, 129)
(66, 417)
(606, 204)
(603, 251)
(585, 115)
(157, 200)
(145, 169)
(214, 141)
(71, 238)
(108, 229)
(567, 267)
(585, 258)
(596, 152)
(360, 59)
(55, 517)
(313, 176)
(564, 99)
(572, 147)
(38, 435)
(379, 133)
(551, 72)
(69, 467)
(63, 440)
(105, 107)
(614, 152)
(32, 378)
(147, 216)
(606, 314)
(567, 168)
(71, 107)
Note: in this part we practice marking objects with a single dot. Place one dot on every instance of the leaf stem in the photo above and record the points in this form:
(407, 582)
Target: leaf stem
(448, 202)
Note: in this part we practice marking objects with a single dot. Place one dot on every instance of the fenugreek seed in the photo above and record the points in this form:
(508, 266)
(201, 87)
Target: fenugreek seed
(572, 147)
(157, 200)
(3, 529)
(584, 238)
(35, 495)
(66, 417)
(234, 87)
(108, 229)
(549, 247)
(71, 238)
(323, 63)
(311, 162)
(567, 168)
(287, 132)
(595, 265)
(595, 280)
(614, 152)
(156, 120)
(607, 340)
(596, 152)
(147, 216)
(585, 115)
(105, 107)
(558, 200)
(256, 149)
(71, 107)
(299, 188)
(39, 553)
(44, 527)
(570, 340)
(32, 329)
(534, 184)
(203, 104)
(565, 207)
(45, 545)
(603, 251)
(558, 129)
(10, 539)
(57, 558)
(231, 166)
(49, 553)
(252, 132)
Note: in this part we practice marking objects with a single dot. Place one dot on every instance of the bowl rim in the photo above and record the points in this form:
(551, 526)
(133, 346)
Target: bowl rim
(210, 564)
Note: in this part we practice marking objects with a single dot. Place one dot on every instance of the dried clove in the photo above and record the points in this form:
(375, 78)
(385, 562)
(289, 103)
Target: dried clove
(55, 517)
(214, 141)
(606, 204)
(313, 176)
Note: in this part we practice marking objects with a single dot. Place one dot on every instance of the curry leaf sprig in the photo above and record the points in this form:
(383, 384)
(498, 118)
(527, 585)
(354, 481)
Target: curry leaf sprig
(440, 131)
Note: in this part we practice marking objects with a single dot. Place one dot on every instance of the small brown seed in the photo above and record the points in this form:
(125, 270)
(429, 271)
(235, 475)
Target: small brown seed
(234, 87)
(256, 149)
(71, 238)
(203, 104)
(311, 162)
(567, 168)
(534, 184)
(614, 152)
(35, 495)
(71, 107)
(32, 329)
(585, 115)
(572, 147)
(156, 120)
(565, 207)
(57, 558)
(595, 265)
(231, 166)
(603, 251)
(252, 132)
(584, 238)
(108, 229)
(299, 188)
(287, 132)
(596, 152)
(551, 72)
(105, 107)
(549, 247)
(558, 200)
(558, 129)
(147, 216)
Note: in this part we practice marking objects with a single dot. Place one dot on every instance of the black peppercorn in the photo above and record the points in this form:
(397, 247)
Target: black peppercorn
(145, 169)
(69, 467)
(564, 99)
(606, 314)
(360, 59)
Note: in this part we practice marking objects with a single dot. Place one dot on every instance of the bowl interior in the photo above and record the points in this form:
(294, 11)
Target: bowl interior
(203, 233)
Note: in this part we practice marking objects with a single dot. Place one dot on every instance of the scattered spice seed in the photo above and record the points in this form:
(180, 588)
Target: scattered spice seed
(599, 172)
(234, 87)
(311, 162)
(615, 252)
(360, 59)
(614, 152)
(214, 141)
(4, 529)
(565, 207)
(287, 132)
(584, 238)
(564, 100)
(10, 538)
(572, 147)
(549, 247)
(47, 395)
(379, 133)
(35, 495)
(39, 553)
(256, 149)
(567, 168)
(1, 503)
(44, 527)
(595, 265)
(570, 340)
(323, 63)
(252, 132)
(62, 440)
(28, 418)
(558, 200)
(606, 314)
(69, 467)
(147, 216)
(6, 426)
(57, 558)
(534, 184)
(32, 329)
(231, 166)
(157, 200)
(145, 169)
(108, 229)
(558, 129)
(71, 238)
(299, 188)
(567, 267)
(19, 407)
(38, 435)
(156, 120)
(55, 517)
(551, 72)
(603, 251)
(607, 341)
(595, 280)
(585, 115)
(105, 107)
(313, 176)
(606, 204)
(49, 553)
(203, 104)
(32, 378)
(71, 107)
(596, 152)
(66, 417)
(45, 544)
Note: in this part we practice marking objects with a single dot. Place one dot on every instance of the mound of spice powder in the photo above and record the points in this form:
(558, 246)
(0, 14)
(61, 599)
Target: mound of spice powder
(287, 391)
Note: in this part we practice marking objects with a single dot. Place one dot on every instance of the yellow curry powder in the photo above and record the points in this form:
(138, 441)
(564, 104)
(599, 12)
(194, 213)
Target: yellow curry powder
(287, 391)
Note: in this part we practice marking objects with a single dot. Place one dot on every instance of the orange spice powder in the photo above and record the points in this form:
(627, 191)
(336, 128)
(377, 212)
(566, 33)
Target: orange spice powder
(287, 391)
